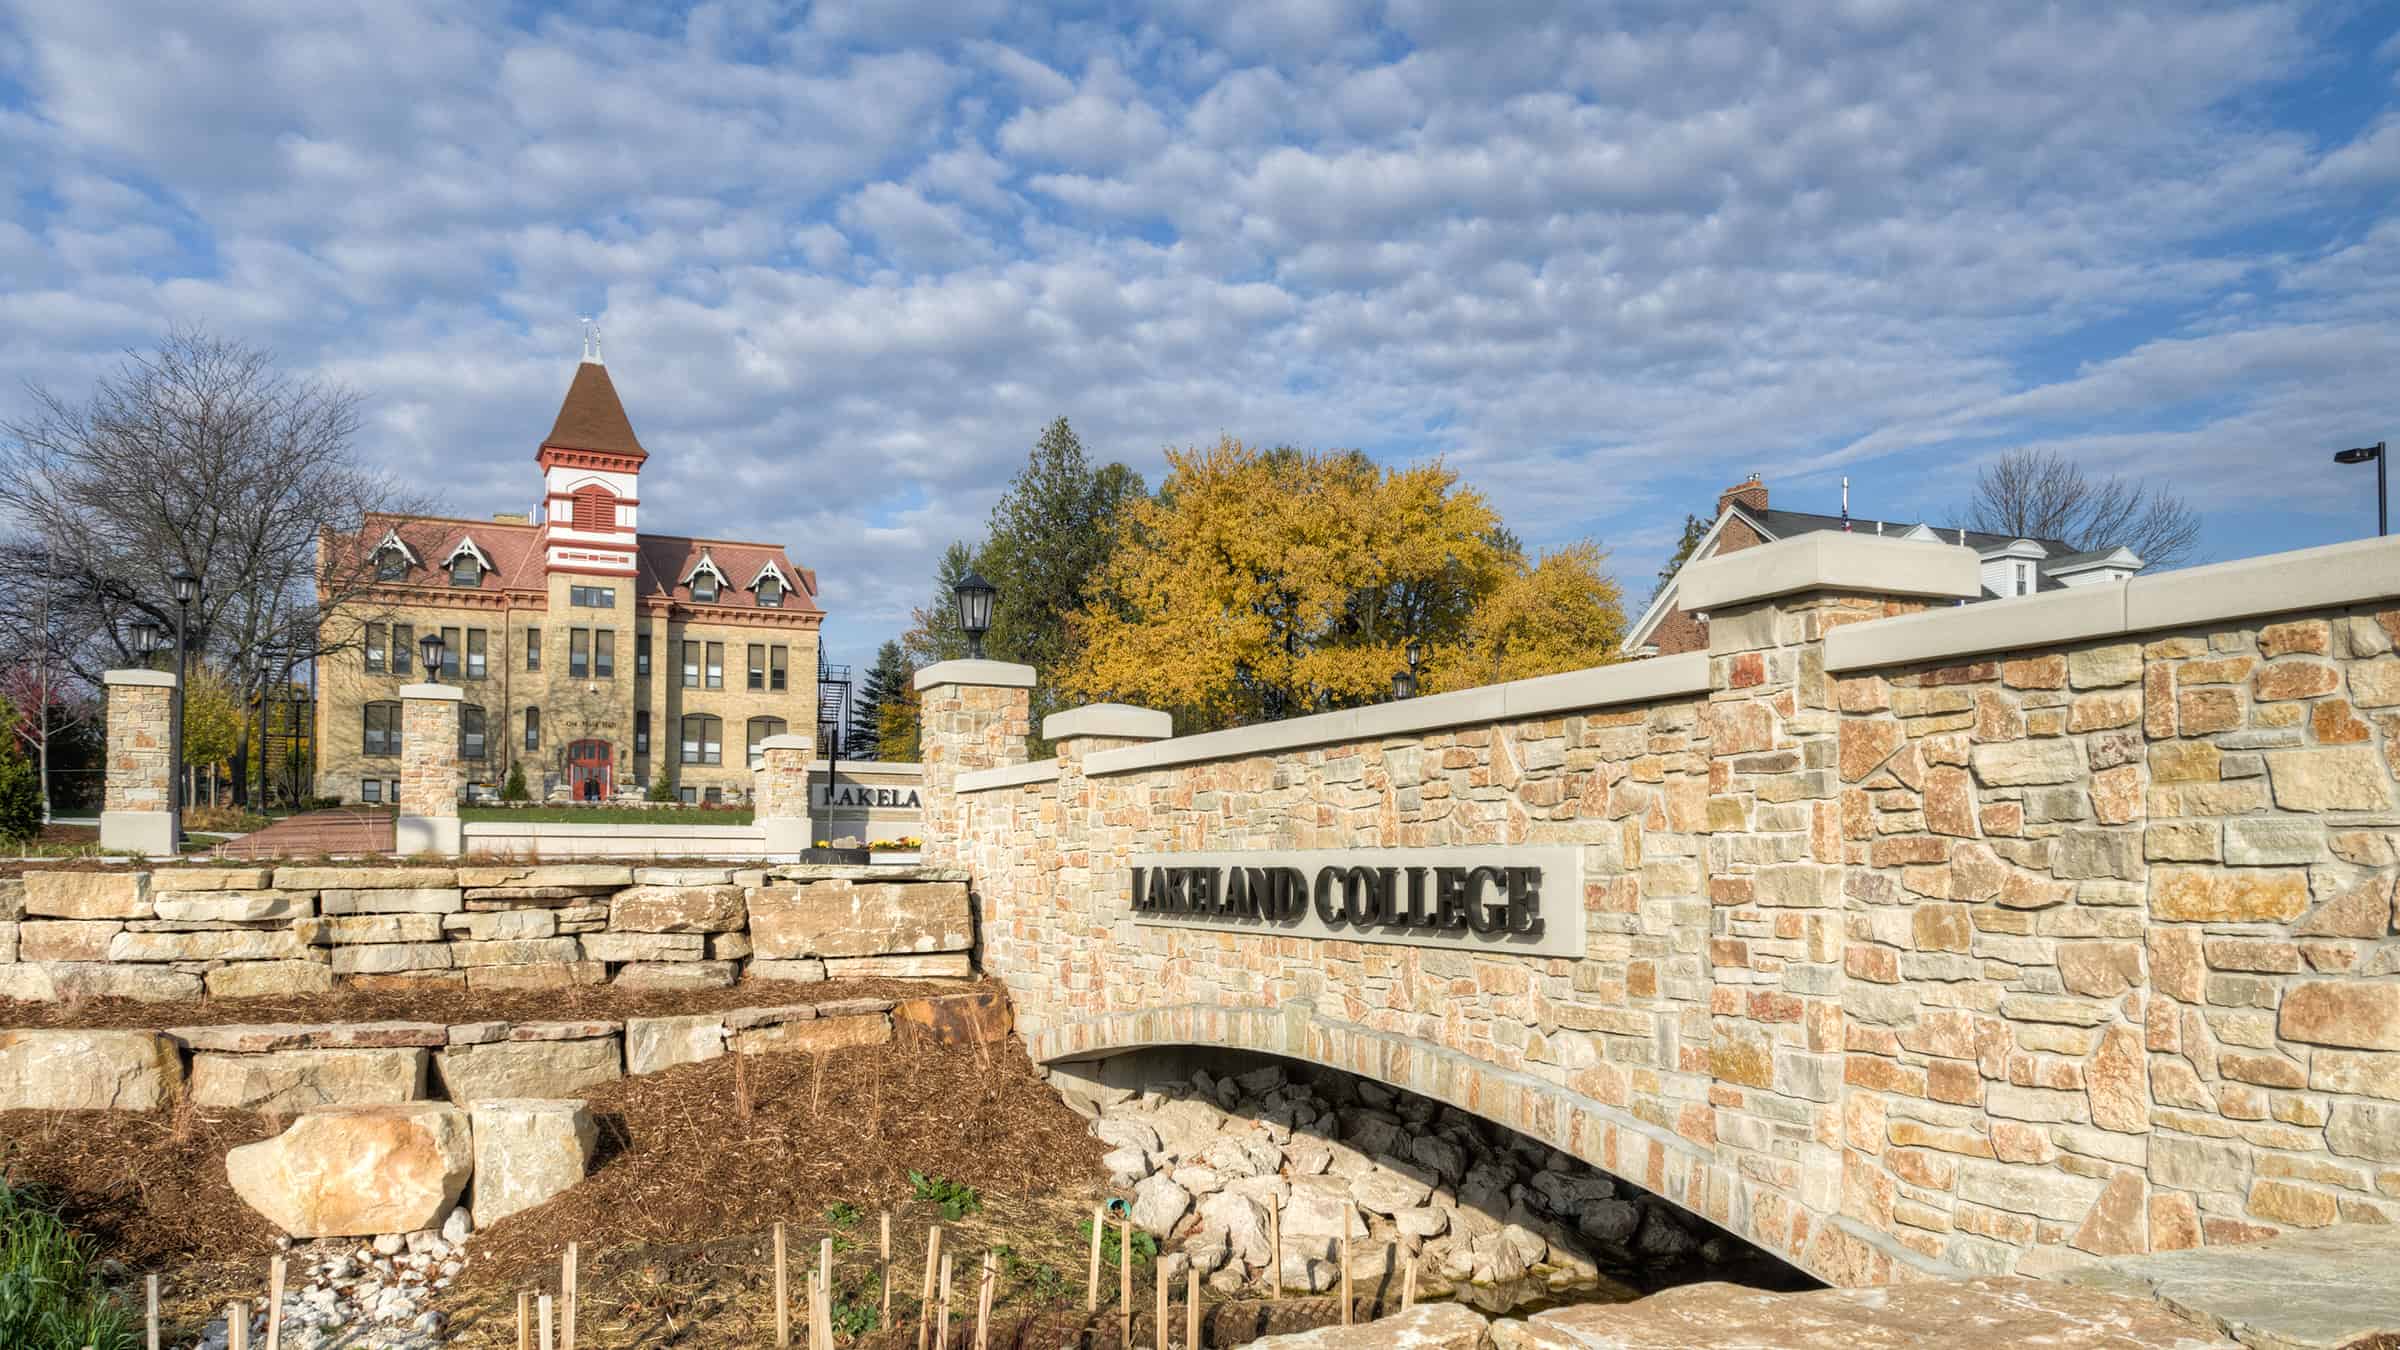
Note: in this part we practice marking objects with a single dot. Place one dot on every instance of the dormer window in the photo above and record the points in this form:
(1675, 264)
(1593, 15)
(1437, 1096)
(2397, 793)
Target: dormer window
(707, 580)
(770, 592)
(704, 588)
(391, 565)
(465, 571)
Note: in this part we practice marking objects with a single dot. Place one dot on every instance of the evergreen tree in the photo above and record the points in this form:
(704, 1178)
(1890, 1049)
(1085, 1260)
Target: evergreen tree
(885, 681)
(1694, 530)
(514, 789)
(1050, 533)
(20, 796)
(935, 635)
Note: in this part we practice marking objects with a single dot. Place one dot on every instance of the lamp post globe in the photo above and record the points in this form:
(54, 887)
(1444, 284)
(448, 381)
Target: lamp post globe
(147, 638)
(429, 654)
(974, 596)
(1404, 684)
(186, 584)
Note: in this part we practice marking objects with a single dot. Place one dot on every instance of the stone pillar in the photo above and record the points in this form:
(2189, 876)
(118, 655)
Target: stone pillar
(430, 777)
(1777, 851)
(135, 812)
(973, 715)
(779, 794)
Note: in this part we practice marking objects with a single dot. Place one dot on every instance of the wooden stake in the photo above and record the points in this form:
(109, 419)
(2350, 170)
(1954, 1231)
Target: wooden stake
(1275, 1244)
(237, 1325)
(1349, 1221)
(823, 1322)
(1408, 1284)
(1160, 1316)
(1091, 1287)
(566, 1315)
(524, 1320)
(150, 1298)
(885, 1279)
(275, 1304)
(983, 1301)
(942, 1327)
(783, 1291)
(1191, 1307)
(1125, 1285)
(933, 1256)
(543, 1307)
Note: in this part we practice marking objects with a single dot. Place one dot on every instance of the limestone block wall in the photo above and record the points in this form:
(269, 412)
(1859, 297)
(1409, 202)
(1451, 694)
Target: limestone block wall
(1999, 937)
(233, 932)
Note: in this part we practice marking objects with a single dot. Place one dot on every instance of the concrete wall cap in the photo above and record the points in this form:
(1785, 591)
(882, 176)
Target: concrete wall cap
(1008, 776)
(1109, 719)
(789, 742)
(993, 674)
(434, 693)
(158, 679)
(1642, 681)
(1827, 560)
(1996, 625)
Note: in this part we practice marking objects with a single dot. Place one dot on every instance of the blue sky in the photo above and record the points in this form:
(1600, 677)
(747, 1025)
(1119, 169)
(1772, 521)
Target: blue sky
(1604, 258)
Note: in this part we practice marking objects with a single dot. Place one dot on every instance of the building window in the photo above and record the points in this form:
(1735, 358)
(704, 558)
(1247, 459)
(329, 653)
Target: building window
(716, 665)
(404, 644)
(714, 796)
(476, 641)
(533, 649)
(703, 739)
(370, 790)
(641, 733)
(691, 665)
(688, 796)
(595, 509)
(383, 730)
(465, 571)
(641, 654)
(760, 729)
(758, 666)
(377, 635)
(704, 588)
(471, 732)
(533, 728)
(2024, 578)
(770, 591)
(579, 653)
(604, 654)
(450, 652)
(592, 597)
(777, 677)
(391, 565)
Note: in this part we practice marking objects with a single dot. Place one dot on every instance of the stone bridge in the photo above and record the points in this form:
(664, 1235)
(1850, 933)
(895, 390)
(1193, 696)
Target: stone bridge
(1903, 938)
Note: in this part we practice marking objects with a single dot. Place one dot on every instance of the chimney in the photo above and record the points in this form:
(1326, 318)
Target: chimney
(512, 517)
(1750, 494)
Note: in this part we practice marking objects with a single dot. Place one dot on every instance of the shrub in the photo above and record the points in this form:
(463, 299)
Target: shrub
(660, 789)
(20, 797)
(957, 1199)
(50, 1298)
(514, 789)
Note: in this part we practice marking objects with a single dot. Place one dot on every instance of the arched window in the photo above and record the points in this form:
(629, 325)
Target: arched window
(465, 570)
(760, 729)
(704, 588)
(703, 739)
(533, 728)
(595, 508)
(472, 742)
(770, 592)
(382, 730)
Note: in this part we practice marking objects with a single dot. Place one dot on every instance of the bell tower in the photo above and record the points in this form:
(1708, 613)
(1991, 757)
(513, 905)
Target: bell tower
(591, 474)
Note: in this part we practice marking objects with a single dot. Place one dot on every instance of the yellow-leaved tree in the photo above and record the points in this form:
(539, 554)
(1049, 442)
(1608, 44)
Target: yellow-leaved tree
(1265, 584)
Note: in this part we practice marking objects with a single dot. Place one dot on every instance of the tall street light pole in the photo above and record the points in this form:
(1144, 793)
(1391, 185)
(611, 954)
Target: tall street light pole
(2360, 455)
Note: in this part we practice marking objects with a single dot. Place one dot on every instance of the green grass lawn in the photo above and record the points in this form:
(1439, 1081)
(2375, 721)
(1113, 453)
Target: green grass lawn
(607, 815)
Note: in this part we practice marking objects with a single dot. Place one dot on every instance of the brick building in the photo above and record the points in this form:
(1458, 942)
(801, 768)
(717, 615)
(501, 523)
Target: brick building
(596, 655)
(2011, 566)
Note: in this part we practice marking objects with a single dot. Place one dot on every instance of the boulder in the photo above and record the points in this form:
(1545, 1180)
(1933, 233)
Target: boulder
(1242, 1220)
(655, 1043)
(229, 944)
(479, 1073)
(88, 895)
(1159, 1204)
(54, 981)
(1185, 1127)
(1313, 1275)
(289, 1081)
(674, 975)
(1428, 1326)
(528, 1150)
(350, 1171)
(1429, 1221)
(269, 979)
(677, 909)
(923, 966)
(66, 939)
(1373, 1132)
(233, 906)
(1565, 1193)
(815, 1035)
(1610, 1221)
(507, 925)
(1125, 1132)
(180, 879)
(363, 878)
(425, 900)
(579, 875)
(537, 975)
(1199, 1180)
(75, 1070)
(1126, 1167)
(1320, 1207)
(1993, 1311)
(514, 951)
(644, 946)
(847, 918)
(1439, 1156)
(785, 972)
(1393, 1186)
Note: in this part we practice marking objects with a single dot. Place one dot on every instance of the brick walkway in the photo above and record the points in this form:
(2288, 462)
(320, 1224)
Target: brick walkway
(342, 830)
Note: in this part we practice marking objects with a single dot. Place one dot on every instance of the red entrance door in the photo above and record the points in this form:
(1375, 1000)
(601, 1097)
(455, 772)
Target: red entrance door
(588, 774)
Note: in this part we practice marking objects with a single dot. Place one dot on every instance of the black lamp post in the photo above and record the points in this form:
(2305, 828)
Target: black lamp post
(1404, 682)
(297, 699)
(269, 668)
(429, 652)
(187, 592)
(974, 596)
(2362, 454)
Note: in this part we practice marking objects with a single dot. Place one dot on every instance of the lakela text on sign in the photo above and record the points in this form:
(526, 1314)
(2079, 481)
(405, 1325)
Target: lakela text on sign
(1526, 901)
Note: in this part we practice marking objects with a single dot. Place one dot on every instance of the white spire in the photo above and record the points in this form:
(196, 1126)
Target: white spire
(591, 340)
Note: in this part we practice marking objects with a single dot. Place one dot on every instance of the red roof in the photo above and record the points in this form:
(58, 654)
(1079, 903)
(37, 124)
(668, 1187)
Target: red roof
(592, 417)
(662, 560)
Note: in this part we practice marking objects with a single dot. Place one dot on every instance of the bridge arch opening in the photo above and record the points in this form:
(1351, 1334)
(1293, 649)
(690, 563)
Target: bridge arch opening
(1206, 1139)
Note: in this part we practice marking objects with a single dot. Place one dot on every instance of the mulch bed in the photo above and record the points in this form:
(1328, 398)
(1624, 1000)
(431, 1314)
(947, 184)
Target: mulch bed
(433, 1004)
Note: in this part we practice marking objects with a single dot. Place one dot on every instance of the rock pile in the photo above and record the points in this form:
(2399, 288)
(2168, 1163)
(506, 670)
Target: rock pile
(1476, 1203)
(364, 1296)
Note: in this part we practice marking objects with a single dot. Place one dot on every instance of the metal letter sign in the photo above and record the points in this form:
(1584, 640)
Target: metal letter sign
(1500, 899)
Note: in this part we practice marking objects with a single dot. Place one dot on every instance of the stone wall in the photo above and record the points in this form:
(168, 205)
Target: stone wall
(136, 808)
(235, 932)
(2054, 948)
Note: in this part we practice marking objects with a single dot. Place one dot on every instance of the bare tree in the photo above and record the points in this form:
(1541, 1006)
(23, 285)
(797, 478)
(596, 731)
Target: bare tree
(199, 455)
(2041, 494)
